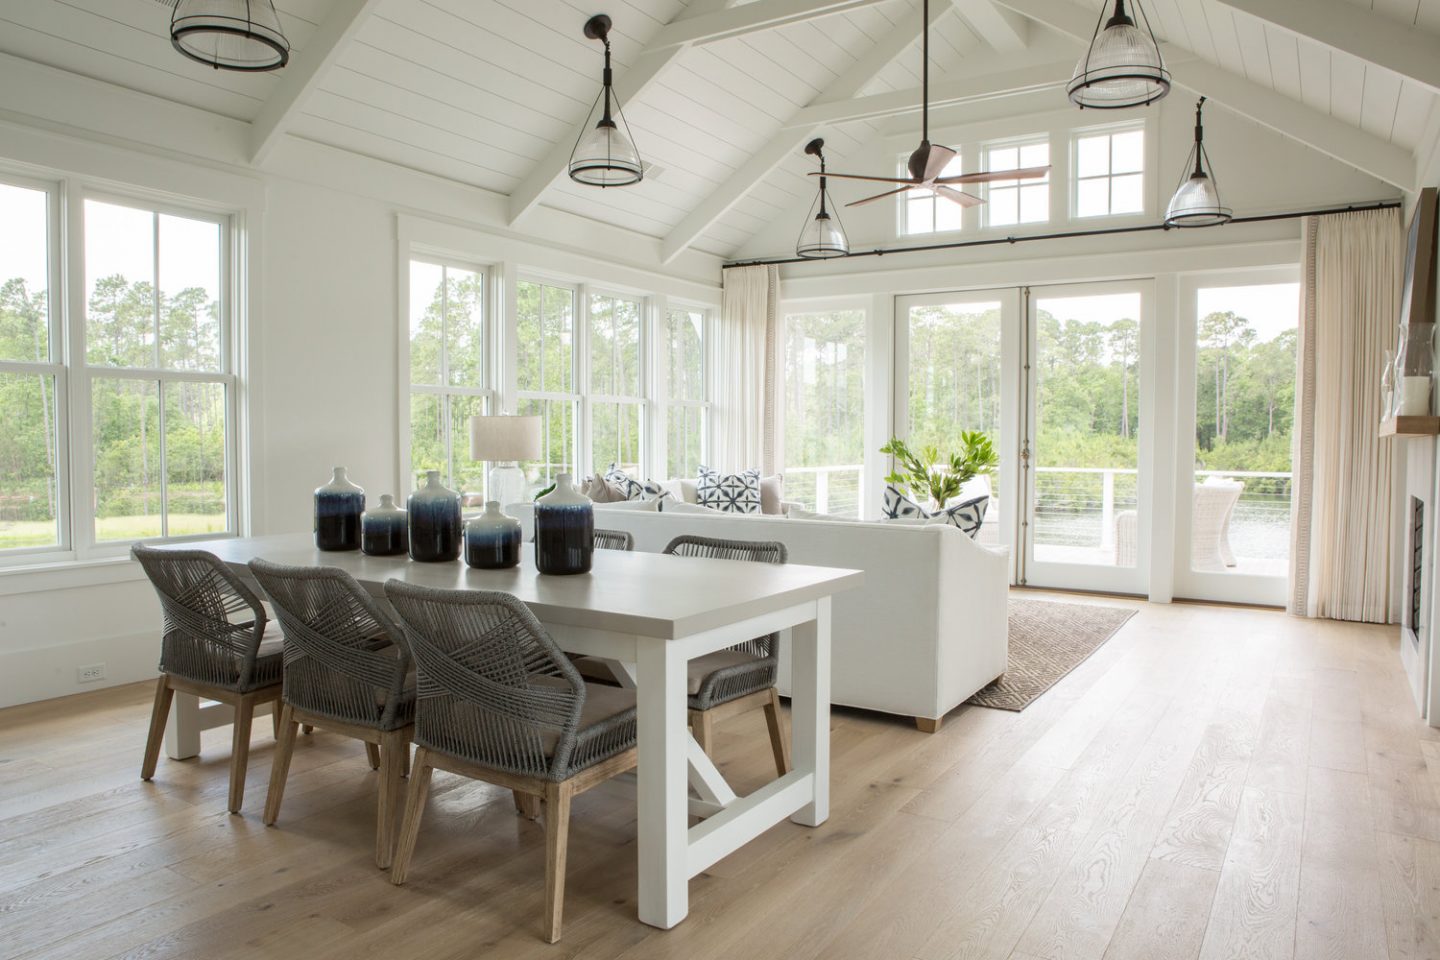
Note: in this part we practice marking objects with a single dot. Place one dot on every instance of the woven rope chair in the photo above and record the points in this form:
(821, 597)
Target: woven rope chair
(614, 540)
(498, 701)
(217, 644)
(740, 678)
(347, 670)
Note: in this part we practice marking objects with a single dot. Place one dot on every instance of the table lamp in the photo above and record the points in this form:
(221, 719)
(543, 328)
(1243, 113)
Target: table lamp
(504, 441)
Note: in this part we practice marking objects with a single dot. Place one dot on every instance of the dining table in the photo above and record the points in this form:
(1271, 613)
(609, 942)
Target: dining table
(649, 614)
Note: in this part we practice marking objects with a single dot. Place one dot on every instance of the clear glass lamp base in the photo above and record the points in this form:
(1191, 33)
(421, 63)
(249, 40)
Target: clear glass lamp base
(507, 483)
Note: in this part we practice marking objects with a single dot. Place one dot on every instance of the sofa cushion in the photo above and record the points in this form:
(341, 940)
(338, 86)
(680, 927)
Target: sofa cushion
(729, 492)
(680, 506)
(772, 494)
(897, 506)
(800, 513)
(621, 481)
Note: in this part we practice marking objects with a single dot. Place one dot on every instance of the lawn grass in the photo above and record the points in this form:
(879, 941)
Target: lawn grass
(41, 533)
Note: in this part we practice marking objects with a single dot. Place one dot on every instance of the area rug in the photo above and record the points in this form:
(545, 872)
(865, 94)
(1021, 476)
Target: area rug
(1047, 640)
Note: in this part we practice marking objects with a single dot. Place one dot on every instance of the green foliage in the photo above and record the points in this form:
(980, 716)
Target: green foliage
(929, 476)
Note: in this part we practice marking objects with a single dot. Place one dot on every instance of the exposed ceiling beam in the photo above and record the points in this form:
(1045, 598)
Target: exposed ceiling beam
(790, 138)
(748, 18)
(988, 86)
(302, 76)
(1000, 27)
(1355, 30)
(1335, 138)
(648, 65)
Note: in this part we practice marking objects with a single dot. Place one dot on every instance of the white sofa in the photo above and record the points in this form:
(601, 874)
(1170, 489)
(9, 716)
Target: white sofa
(927, 629)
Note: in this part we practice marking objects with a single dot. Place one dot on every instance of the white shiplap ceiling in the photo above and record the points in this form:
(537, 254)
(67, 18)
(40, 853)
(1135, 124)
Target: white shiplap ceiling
(490, 92)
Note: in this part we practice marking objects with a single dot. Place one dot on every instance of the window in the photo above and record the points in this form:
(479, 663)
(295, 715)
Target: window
(1109, 173)
(687, 408)
(158, 372)
(449, 373)
(545, 374)
(615, 397)
(922, 211)
(32, 378)
(825, 410)
(1011, 202)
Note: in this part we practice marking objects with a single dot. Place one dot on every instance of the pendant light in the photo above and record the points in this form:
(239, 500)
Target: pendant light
(822, 237)
(242, 35)
(1122, 67)
(1197, 199)
(605, 155)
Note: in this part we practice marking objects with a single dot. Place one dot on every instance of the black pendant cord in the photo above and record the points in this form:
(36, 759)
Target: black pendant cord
(606, 79)
(1066, 235)
(1199, 140)
(925, 72)
(824, 214)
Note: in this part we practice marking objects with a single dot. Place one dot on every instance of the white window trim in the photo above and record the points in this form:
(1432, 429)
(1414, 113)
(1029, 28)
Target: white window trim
(68, 308)
(589, 399)
(902, 225)
(1147, 171)
(660, 464)
(579, 321)
(1018, 143)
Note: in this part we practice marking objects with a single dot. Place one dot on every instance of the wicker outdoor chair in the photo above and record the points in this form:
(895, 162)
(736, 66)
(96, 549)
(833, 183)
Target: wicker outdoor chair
(347, 671)
(741, 678)
(614, 540)
(499, 702)
(217, 644)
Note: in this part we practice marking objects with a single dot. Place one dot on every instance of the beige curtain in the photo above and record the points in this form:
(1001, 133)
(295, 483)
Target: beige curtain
(745, 393)
(1340, 556)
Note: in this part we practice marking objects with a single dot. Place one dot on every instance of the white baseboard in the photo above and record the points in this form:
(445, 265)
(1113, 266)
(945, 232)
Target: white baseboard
(42, 673)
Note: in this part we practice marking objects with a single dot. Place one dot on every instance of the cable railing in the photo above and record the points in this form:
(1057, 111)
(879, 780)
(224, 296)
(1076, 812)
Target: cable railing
(837, 489)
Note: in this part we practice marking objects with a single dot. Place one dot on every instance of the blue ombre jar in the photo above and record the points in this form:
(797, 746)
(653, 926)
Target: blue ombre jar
(492, 540)
(385, 531)
(564, 530)
(435, 524)
(338, 506)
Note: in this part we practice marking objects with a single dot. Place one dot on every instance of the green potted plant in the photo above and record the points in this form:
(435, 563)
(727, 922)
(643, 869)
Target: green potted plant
(930, 479)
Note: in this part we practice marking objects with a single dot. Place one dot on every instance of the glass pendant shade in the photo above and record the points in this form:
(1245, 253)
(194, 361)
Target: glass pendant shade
(1122, 67)
(823, 235)
(242, 35)
(1196, 202)
(605, 154)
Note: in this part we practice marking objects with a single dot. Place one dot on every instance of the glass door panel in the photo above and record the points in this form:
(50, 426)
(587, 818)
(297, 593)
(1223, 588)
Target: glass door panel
(1238, 341)
(1088, 522)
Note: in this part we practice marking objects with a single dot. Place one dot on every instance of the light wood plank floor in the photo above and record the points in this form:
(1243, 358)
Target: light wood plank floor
(1213, 783)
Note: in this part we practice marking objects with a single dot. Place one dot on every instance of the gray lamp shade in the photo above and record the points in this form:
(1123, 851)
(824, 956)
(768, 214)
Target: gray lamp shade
(504, 438)
(822, 237)
(1122, 67)
(605, 157)
(242, 35)
(1196, 204)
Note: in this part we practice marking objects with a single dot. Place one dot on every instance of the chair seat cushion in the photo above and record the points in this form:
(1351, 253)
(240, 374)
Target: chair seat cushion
(269, 658)
(700, 668)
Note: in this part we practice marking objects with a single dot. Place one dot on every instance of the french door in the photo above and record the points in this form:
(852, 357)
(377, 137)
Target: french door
(1085, 446)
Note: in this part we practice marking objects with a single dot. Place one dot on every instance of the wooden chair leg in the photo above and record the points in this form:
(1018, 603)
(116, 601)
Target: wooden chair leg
(703, 725)
(372, 753)
(557, 836)
(779, 739)
(405, 759)
(240, 751)
(393, 748)
(275, 720)
(280, 765)
(528, 804)
(414, 810)
(159, 713)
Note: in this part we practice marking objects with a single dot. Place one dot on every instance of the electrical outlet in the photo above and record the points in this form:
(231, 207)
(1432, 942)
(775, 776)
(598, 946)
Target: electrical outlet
(90, 673)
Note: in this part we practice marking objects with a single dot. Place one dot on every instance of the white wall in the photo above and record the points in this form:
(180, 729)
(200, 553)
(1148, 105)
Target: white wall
(323, 375)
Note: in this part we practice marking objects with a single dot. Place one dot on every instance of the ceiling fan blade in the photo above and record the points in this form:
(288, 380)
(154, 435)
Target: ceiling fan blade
(863, 176)
(880, 196)
(989, 176)
(937, 160)
(964, 199)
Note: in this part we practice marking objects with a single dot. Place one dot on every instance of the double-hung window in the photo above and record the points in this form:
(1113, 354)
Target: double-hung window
(685, 367)
(545, 378)
(615, 400)
(450, 372)
(1110, 173)
(156, 378)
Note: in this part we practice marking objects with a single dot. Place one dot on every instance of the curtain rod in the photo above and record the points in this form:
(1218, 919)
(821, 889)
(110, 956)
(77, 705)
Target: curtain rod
(1025, 238)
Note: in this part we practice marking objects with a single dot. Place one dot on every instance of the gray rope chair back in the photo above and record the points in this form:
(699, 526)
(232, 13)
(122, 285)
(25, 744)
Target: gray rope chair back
(614, 540)
(213, 622)
(345, 657)
(728, 683)
(492, 687)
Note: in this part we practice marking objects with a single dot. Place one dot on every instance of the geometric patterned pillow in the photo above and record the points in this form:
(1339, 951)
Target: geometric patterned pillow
(897, 506)
(651, 490)
(968, 516)
(729, 492)
(620, 480)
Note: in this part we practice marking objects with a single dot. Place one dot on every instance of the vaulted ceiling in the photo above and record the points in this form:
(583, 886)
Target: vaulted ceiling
(721, 96)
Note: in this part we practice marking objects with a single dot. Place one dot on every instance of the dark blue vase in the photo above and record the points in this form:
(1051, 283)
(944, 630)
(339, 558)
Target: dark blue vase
(385, 531)
(492, 540)
(435, 524)
(338, 506)
(564, 530)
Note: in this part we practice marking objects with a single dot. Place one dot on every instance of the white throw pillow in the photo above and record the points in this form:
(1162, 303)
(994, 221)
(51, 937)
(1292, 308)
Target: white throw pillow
(772, 494)
(729, 492)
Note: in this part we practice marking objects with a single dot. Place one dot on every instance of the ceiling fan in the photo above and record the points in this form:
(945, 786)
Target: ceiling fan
(927, 164)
